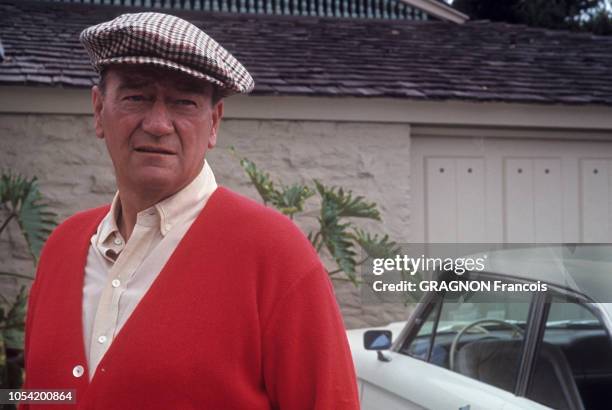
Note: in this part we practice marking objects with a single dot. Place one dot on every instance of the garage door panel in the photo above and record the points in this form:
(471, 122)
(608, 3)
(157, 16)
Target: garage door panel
(518, 200)
(548, 200)
(471, 199)
(441, 199)
(595, 195)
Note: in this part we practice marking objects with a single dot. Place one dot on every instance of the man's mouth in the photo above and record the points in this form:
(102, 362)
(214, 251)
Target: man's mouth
(154, 150)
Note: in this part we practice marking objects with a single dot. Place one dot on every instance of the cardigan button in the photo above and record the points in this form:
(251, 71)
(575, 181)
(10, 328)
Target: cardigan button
(78, 371)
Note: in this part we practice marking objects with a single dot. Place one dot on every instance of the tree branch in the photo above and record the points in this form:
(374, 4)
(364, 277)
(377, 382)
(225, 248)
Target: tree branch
(5, 223)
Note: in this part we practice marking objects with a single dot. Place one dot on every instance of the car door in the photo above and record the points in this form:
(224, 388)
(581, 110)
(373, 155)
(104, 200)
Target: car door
(407, 383)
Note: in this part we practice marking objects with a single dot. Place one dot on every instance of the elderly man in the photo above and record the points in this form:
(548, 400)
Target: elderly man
(180, 294)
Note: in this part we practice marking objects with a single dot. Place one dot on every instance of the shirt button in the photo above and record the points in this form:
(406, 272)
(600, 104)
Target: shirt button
(78, 371)
(116, 283)
(118, 241)
(168, 226)
(102, 339)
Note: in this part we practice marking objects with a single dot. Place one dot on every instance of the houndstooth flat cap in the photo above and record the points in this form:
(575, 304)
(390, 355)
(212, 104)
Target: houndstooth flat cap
(165, 41)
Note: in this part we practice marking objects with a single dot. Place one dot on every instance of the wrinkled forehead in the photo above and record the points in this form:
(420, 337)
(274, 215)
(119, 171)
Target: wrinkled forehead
(137, 76)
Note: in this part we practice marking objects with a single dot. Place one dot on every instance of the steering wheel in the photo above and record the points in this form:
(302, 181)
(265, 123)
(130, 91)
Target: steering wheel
(455, 344)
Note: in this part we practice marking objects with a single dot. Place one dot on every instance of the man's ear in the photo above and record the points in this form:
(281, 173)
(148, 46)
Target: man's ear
(217, 114)
(97, 100)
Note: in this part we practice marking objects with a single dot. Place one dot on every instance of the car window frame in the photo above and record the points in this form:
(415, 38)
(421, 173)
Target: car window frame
(429, 302)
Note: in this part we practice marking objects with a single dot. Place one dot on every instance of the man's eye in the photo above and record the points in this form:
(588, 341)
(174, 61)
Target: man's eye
(186, 102)
(134, 98)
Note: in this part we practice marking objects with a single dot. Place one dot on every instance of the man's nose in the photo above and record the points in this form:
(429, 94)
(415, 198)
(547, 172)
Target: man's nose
(158, 120)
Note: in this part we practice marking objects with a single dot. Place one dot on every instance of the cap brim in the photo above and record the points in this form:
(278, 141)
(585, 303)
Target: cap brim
(167, 64)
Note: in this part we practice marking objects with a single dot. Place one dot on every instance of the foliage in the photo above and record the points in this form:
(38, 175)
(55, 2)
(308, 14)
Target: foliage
(599, 23)
(586, 15)
(337, 233)
(22, 202)
(289, 199)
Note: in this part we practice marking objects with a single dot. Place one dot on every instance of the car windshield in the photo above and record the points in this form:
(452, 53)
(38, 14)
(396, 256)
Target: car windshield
(583, 268)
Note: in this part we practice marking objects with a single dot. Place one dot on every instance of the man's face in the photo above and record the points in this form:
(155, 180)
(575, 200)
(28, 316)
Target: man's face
(157, 125)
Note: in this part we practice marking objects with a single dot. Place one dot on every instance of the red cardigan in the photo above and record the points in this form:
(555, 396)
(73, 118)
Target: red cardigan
(242, 316)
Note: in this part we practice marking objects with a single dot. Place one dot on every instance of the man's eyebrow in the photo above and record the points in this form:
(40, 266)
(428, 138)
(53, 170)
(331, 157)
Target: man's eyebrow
(136, 82)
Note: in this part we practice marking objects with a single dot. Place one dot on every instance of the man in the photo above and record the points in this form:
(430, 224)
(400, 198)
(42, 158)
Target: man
(180, 294)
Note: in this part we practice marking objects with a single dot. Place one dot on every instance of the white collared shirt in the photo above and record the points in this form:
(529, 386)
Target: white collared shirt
(118, 274)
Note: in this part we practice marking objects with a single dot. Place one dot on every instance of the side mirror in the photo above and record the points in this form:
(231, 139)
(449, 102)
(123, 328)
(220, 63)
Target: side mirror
(378, 340)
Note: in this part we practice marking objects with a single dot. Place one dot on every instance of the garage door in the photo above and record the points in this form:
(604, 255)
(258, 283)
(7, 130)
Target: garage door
(511, 190)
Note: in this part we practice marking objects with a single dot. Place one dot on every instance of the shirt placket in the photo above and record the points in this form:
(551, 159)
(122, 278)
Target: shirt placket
(107, 317)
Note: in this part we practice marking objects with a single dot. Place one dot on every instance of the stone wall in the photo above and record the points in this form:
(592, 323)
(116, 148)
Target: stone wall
(75, 173)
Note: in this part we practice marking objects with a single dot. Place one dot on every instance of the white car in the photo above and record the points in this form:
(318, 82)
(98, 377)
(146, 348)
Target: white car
(500, 350)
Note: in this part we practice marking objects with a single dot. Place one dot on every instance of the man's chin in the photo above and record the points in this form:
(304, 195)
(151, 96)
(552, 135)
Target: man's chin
(156, 181)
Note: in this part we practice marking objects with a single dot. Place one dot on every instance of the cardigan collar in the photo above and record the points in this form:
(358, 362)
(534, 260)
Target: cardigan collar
(165, 214)
(75, 290)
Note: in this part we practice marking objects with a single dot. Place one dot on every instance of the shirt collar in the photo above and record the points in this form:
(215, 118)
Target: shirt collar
(107, 238)
(179, 207)
(184, 204)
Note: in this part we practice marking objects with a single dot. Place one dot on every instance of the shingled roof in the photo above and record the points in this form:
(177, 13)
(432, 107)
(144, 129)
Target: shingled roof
(427, 60)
